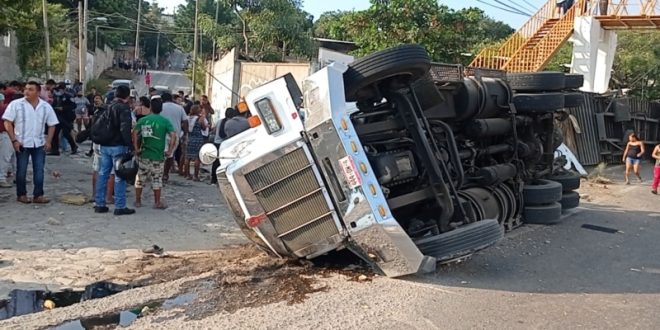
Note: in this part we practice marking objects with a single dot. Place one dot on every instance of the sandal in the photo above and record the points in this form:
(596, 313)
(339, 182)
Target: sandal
(24, 199)
(138, 204)
(41, 200)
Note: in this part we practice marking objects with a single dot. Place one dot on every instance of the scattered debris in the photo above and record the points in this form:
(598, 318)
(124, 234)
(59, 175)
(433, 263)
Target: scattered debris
(74, 199)
(54, 222)
(600, 228)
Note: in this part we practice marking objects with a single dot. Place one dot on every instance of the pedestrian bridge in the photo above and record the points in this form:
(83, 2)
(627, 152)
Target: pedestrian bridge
(531, 47)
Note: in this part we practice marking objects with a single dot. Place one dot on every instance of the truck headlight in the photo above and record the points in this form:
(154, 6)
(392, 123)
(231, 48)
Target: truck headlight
(270, 118)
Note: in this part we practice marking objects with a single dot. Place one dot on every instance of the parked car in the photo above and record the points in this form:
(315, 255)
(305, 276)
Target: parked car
(125, 82)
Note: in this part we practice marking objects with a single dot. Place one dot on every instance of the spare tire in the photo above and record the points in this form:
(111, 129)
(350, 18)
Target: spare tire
(461, 241)
(409, 62)
(542, 214)
(537, 81)
(538, 103)
(568, 180)
(540, 192)
(569, 200)
(574, 81)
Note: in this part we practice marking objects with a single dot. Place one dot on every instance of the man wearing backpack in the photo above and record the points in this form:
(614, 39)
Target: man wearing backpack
(112, 131)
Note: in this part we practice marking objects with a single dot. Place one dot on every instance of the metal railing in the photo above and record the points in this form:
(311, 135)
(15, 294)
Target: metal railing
(530, 58)
(496, 57)
(622, 8)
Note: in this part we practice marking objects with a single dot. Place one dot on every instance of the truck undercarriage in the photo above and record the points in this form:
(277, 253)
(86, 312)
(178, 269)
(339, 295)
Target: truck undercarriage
(424, 164)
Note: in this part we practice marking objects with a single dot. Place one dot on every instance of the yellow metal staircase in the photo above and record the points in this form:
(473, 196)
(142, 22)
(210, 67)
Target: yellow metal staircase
(534, 44)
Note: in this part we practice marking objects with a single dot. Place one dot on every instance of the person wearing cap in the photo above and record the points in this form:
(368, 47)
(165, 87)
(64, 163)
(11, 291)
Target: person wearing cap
(82, 104)
(152, 92)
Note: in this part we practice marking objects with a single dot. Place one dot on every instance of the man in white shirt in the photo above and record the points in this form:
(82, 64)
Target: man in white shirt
(25, 119)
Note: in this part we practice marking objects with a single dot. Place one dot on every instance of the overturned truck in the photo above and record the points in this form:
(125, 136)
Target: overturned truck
(403, 161)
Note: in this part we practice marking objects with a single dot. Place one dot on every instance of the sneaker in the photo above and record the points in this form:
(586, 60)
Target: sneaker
(5, 184)
(654, 192)
(101, 209)
(73, 152)
(124, 211)
(89, 153)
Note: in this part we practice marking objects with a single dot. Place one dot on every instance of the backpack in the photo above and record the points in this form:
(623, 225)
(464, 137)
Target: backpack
(103, 128)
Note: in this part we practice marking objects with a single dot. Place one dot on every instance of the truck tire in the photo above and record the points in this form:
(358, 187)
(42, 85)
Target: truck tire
(569, 200)
(573, 100)
(574, 81)
(541, 192)
(568, 180)
(538, 103)
(537, 81)
(542, 214)
(408, 61)
(461, 241)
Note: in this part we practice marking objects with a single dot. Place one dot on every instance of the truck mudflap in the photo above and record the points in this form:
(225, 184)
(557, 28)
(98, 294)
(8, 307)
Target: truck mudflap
(374, 233)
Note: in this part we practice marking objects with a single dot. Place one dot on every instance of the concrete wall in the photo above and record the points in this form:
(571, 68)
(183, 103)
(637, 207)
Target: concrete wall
(96, 63)
(9, 57)
(233, 79)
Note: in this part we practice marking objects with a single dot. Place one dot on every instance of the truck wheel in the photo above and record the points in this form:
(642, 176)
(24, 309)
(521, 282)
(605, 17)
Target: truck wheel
(574, 81)
(573, 100)
(538, 103)
(461, 241)
(537, 81)
(568, 180)
(540, 192)
(542, 214)
(406, 61)
(569, 200)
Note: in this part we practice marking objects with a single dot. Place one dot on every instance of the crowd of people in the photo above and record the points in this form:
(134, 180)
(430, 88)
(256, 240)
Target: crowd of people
(137, 66)
(161, 134)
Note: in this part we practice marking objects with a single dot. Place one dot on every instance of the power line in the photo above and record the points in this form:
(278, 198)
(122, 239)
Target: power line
(504, 9)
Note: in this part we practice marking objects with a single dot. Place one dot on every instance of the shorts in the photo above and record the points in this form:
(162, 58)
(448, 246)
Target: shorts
(150, 170)
(96, 161)
(634, 161)
(80, 113)
(82, 116)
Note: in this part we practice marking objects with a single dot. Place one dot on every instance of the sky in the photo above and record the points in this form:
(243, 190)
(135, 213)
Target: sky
(317, 7)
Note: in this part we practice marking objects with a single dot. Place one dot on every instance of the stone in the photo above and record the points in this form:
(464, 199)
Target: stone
(54, 222)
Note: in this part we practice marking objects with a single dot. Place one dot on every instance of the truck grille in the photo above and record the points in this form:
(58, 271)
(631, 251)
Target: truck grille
(293, 199)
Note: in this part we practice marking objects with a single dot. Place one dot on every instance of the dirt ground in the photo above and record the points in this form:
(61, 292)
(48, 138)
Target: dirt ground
(550, 277)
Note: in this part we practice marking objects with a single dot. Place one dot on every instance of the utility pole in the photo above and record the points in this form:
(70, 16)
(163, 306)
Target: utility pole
(46, 37)
(194, 57)
(81, 58)
(217, 11)
(158, 48)
(137, 31)
(84, 47)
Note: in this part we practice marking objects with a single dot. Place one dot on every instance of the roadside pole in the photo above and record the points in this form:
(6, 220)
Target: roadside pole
(137, 32)
(194, 57)
(81, 58)
(84, 47)
(46, 37)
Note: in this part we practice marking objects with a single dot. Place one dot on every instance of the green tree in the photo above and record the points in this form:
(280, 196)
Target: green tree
(447, 34)
(637, 64)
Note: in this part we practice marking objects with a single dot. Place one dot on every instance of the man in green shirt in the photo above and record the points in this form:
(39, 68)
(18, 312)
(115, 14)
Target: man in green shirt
(149, 136)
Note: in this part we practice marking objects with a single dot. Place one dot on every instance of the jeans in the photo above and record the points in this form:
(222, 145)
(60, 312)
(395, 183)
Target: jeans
(38, 164)
(656, 177)
(109, 154)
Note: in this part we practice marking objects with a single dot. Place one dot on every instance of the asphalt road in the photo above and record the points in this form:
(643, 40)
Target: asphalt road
(175, 80)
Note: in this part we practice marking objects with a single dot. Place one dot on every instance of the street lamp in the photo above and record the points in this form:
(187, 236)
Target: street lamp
(96, 29)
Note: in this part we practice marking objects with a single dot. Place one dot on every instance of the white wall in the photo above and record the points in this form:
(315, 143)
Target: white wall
(9, 57)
